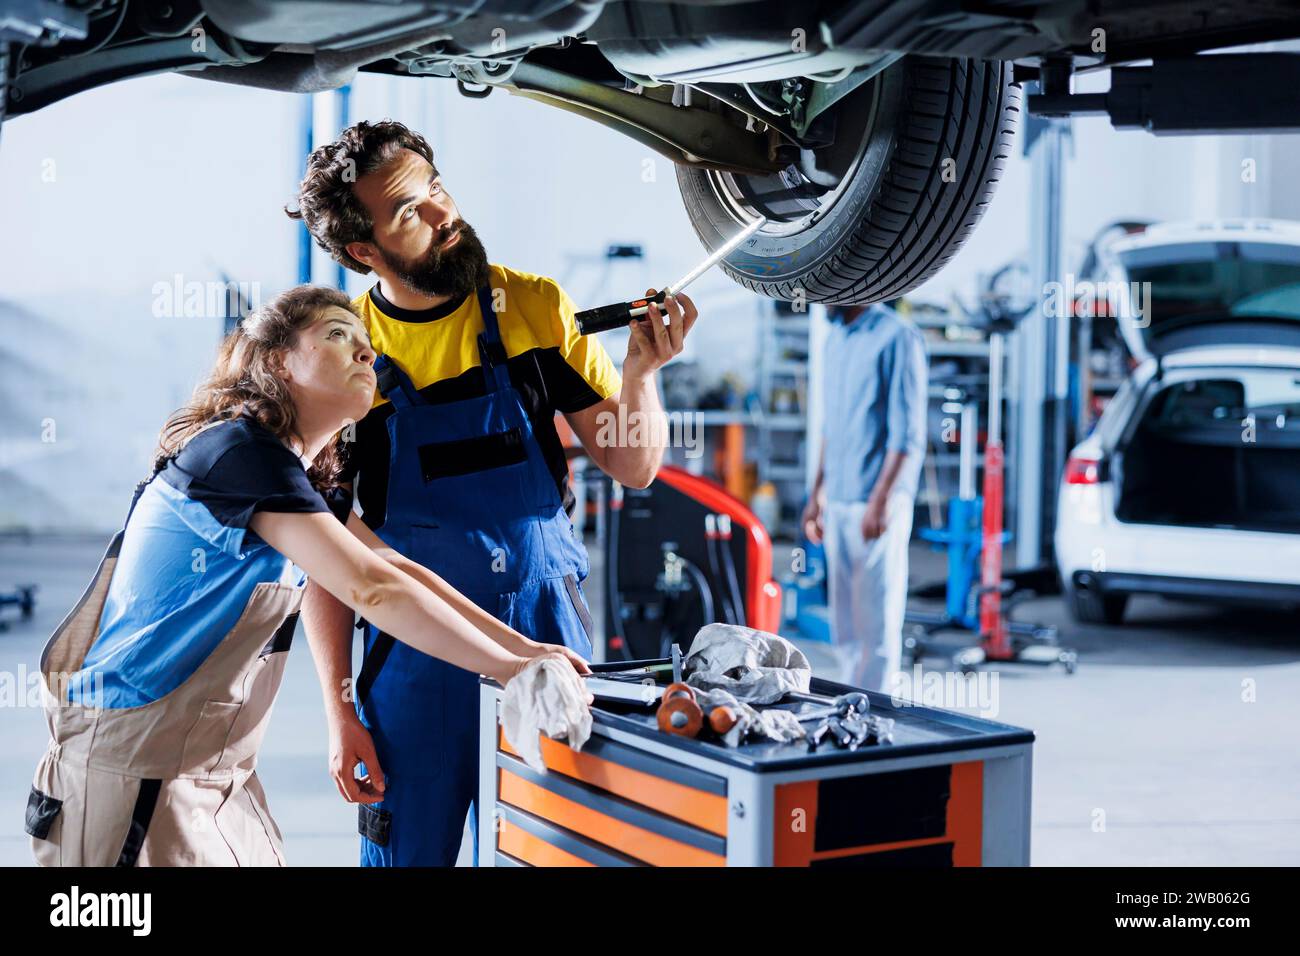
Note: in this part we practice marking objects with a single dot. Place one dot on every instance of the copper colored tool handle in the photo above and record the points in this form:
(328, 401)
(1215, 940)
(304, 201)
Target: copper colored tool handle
(679, 713)
(722, 719)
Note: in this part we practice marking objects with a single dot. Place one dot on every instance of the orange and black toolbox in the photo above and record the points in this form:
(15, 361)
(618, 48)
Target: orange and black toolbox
(951, 790)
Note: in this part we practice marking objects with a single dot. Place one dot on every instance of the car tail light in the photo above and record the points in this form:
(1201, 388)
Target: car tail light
(1082, 471)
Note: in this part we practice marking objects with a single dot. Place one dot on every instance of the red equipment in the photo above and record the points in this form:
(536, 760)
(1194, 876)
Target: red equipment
(996, 641)
(680, 554)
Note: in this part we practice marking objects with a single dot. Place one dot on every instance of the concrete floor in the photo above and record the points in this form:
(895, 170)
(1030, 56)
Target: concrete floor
(1149, 755)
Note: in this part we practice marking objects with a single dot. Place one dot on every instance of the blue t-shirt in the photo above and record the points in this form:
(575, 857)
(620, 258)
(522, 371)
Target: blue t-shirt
(189, 563)
(875, 377)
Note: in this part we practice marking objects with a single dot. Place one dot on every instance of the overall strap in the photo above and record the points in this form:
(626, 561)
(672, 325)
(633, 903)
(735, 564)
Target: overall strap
(491, 350)
(395, 385)
(141, 485)
(162, 463)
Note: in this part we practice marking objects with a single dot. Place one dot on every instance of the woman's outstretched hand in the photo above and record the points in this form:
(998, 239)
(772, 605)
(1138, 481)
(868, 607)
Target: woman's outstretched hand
(560, 654)
(573, 657)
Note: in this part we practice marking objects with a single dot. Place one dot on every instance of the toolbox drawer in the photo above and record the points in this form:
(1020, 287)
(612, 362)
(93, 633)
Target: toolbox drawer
(608, 805)
(923, 816)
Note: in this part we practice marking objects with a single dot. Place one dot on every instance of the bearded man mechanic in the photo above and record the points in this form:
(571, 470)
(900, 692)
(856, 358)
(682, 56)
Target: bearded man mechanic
(459, 467)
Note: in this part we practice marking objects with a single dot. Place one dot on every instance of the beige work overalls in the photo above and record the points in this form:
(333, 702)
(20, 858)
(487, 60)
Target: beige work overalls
(170, 783)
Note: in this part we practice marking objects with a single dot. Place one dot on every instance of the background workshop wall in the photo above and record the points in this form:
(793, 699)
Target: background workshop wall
(117, 198)
(112, 199)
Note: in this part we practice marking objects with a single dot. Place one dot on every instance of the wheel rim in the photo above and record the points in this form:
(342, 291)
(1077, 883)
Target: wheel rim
(789, 201)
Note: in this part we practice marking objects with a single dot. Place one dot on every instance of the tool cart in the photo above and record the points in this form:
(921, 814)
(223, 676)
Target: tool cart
(949, 790)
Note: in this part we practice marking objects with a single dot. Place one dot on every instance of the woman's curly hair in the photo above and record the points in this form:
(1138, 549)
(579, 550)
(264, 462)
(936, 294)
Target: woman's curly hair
(246, 380)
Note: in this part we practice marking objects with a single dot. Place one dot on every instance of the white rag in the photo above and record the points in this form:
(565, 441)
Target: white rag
(779, 725)
(546, 697)
(754, 666)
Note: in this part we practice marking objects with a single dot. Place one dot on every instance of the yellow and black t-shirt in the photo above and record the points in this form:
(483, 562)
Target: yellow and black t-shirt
(550, 364)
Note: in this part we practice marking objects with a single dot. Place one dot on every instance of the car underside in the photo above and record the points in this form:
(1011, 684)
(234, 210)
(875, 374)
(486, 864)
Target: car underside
(869, 134)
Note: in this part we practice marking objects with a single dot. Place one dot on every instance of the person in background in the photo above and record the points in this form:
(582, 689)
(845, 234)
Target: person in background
(874, 377)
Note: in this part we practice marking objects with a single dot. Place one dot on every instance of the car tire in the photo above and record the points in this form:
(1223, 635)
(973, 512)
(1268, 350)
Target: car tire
(912, 183)
(1088, 606)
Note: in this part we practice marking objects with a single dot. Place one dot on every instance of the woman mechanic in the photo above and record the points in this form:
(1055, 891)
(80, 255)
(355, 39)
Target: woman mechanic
(160, 681)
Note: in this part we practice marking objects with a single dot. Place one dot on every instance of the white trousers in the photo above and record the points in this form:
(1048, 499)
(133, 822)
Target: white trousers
(867, 586)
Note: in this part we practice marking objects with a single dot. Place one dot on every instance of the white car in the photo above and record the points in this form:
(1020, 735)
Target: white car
(1189, 486)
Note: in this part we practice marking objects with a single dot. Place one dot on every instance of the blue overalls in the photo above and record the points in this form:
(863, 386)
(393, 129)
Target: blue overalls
(469, 497)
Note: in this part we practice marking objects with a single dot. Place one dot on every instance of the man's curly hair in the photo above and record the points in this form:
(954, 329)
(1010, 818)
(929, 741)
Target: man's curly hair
(326, 201)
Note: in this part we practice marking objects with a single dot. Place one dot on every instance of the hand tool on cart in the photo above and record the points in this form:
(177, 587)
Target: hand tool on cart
(852, 732)
(635, 673)
(681, 714)
(845, 719)
(865, 729)
(844, 705)
(817, 734)
(838, 732)
(629, 681)
(618, 315)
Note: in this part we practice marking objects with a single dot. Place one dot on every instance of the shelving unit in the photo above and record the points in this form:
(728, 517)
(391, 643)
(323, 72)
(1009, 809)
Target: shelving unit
(770, 430)
(958, 372)
(779, 408)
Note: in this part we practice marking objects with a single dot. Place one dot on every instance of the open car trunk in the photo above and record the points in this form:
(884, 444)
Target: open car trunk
(1221, 451)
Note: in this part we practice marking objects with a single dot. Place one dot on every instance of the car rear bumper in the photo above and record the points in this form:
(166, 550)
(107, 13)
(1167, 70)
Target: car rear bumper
(1089, 539)
(1214, 590)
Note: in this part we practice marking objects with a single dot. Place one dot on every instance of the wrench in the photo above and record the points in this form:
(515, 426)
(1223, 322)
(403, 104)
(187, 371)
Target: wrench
(843, 706)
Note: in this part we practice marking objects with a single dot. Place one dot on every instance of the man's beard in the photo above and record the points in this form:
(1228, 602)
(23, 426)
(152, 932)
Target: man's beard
(454, 272)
